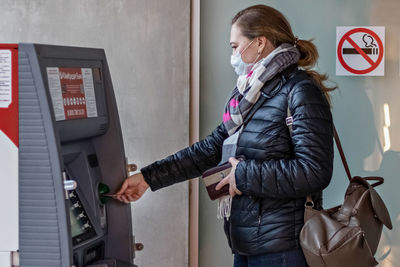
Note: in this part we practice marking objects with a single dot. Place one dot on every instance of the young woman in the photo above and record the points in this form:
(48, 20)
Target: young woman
(287, 142)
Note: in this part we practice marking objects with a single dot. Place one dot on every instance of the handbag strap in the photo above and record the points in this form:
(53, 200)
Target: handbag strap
(342, 156)
(346, 166)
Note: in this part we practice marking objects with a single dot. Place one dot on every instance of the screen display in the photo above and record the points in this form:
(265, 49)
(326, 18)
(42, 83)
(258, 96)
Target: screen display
(72, 92)
(81, 227)
(76, 226)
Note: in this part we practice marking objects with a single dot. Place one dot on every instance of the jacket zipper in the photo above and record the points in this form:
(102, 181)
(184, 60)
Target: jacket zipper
(259, 214)
(259, 220)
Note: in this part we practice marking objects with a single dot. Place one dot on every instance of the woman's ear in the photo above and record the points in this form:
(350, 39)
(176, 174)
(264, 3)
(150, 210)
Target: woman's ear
(262, 43)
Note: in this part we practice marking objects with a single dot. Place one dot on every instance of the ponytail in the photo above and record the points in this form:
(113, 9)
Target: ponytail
(308, 54)
(308, 59)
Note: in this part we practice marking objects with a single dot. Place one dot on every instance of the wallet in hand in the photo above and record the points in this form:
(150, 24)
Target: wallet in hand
(213, 176)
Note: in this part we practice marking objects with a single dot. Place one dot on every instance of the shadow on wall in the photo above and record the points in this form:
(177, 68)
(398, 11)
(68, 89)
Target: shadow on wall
(386, 92)
(383, 94)
(371, 128)
(367, 150)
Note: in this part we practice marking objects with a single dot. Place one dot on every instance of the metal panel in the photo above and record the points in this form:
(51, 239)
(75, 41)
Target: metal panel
(43, 229)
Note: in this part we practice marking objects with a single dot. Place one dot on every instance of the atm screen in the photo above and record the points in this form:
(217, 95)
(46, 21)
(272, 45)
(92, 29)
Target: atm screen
(76, 226)
(81, 227)
(72, 92)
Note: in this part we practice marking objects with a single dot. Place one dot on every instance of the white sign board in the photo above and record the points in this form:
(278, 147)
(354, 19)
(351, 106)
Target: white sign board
(9, 194)
(8, 159)
(360, 51)
(5, 78)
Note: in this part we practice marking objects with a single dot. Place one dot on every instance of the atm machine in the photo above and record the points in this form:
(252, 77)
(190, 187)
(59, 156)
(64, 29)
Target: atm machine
(70, 153)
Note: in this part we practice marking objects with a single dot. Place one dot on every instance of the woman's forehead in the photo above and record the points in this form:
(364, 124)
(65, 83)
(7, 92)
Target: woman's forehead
(236, 34)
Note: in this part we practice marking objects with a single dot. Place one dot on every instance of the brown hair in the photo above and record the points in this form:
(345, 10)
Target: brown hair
(262, 20)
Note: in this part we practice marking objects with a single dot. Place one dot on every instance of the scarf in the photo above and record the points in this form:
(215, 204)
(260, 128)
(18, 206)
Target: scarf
(244, 96)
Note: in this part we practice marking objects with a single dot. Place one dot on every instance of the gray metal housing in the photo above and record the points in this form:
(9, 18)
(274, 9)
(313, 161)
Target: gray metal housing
(47, 148)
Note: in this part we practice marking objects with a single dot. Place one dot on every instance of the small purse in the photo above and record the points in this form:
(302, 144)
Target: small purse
(213, 176)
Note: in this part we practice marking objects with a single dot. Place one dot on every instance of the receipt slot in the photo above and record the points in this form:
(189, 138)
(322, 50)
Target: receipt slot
(70, 145)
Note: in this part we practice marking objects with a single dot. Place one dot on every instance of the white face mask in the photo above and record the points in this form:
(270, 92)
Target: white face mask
(240, 67)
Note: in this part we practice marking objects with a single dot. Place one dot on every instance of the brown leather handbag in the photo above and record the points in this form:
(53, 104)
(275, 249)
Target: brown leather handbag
(346, 235)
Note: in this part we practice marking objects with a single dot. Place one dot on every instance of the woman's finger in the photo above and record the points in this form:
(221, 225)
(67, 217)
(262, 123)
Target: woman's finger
(130, 198)
(222, 183)
(237, 191)
(123, 188)
(136, 196)
(232, 192)
(124, 199)
(233, 161)
(119, 197)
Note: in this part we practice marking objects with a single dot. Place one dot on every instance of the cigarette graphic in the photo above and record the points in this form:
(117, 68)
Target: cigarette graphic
(353, 51)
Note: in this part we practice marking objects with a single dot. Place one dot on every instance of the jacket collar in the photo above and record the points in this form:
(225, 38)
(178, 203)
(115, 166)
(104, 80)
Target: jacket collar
(272, 87)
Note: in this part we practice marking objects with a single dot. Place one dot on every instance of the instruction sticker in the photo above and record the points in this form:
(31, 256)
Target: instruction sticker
(5, 78)
(360, 51)
(72, 93)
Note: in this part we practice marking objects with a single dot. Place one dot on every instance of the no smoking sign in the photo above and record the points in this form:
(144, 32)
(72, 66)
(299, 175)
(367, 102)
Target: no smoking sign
(360, 51)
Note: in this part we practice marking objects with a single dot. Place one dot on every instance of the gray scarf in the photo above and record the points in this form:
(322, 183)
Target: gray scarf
(248, 91)
(243, 97)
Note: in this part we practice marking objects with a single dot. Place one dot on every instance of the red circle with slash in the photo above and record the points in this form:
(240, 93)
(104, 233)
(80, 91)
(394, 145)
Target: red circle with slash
(346, 37)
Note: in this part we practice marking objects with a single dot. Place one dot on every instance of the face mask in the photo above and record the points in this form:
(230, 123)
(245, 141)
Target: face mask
(240, 67)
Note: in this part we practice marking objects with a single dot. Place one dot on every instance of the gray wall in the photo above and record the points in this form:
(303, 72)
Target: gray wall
(357, 105)
(147, 46)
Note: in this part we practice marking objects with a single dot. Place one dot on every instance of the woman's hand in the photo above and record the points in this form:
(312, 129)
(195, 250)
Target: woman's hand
(132, 189)
(230, 179)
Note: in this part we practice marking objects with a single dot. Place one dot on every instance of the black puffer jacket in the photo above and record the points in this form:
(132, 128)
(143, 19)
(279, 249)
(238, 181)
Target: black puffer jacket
(279, 170)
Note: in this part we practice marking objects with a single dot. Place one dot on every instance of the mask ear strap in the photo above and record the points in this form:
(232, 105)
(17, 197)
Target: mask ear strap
(247, 47)
(258, 55)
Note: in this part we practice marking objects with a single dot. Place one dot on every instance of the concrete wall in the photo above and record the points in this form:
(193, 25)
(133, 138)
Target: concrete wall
(147, 46)
(357, 105)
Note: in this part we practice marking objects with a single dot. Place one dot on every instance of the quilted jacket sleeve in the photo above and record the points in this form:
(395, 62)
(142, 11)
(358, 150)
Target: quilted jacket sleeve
(310, 169)
(187, 163)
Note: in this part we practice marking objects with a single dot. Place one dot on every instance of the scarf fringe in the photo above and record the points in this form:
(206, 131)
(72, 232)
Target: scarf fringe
(224, 207)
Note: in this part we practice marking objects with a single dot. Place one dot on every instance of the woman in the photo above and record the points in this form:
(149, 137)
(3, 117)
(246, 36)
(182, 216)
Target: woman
(284, 162)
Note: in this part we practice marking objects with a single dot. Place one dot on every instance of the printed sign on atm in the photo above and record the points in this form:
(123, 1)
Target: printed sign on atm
(72, 93)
